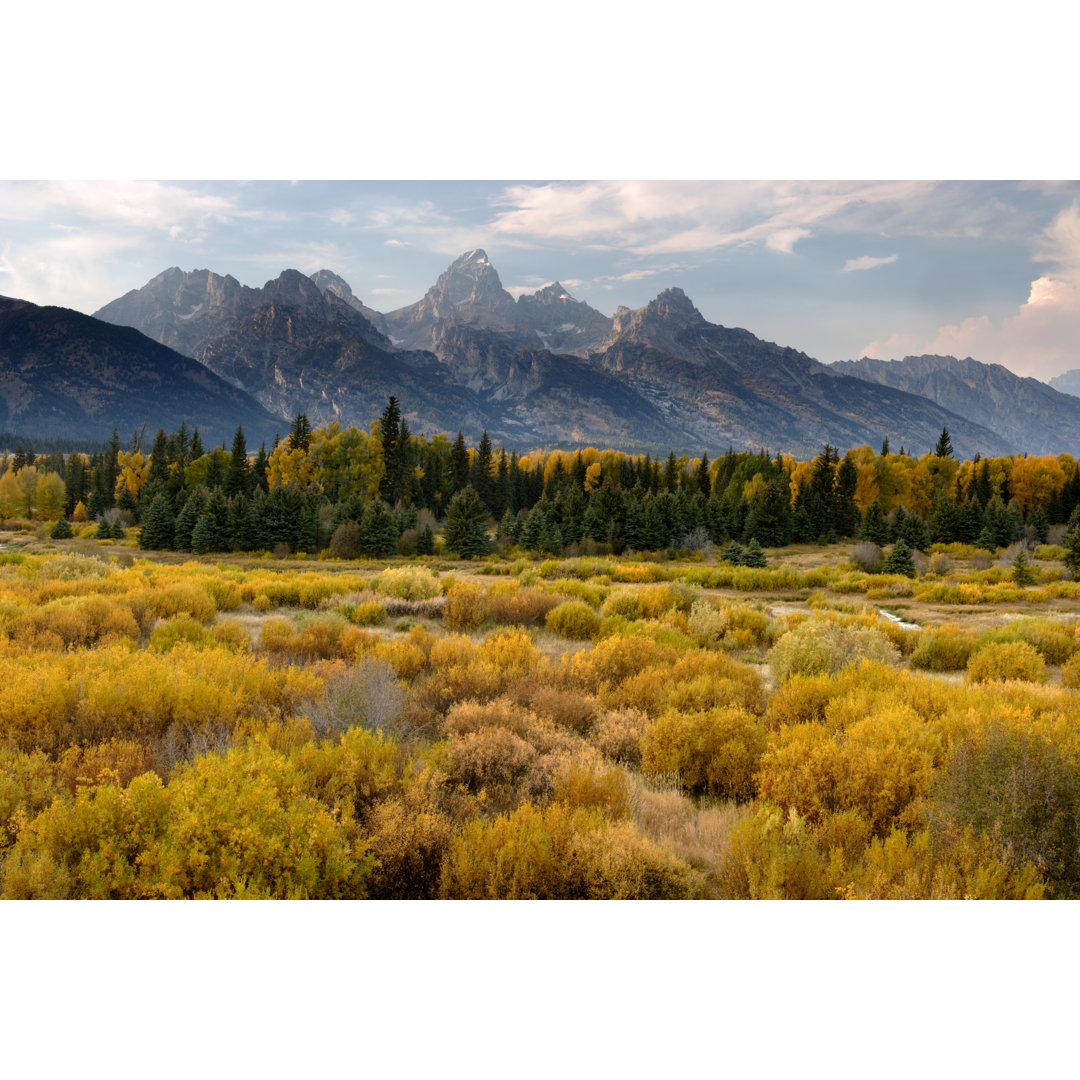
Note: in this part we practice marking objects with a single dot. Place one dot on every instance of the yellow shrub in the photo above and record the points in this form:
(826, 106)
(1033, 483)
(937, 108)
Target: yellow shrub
(559, 853)
(465, 607)
(715, 751)
(407, 583)
(573, 619)
(1070, 672)
(614, 659)
(824, 645)
(174, 631)
(1014, 660)
(617, 734)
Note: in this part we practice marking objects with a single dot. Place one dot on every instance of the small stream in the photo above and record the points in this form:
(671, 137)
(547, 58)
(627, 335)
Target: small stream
(899, 622)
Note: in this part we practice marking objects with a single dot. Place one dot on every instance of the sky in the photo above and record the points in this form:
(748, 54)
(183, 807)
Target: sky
(838, 269)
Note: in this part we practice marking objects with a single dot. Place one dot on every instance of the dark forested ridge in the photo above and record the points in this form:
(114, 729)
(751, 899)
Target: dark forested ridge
(67, 375)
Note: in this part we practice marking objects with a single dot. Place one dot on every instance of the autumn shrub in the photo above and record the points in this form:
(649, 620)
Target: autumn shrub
(801, 699)
(823, 645)
(946, 648)
(180, 629)
(73, 567)
(559, 853)
(593, 594)
(617, 734)
(181, 599)
(466, 607)
(231, 633)
(365, 694)
(489, 758)
(573, 619)
(697, 681)
(75, 621)
(613, 660)
(731, 625)
(1070, 672)
(1053, 640)
(519, 606)
(409, 837)
(1008, 660)
(1019, 787)
(407, 583)
(568, 709)
(868, 557)
(773, 856)
(715, 751)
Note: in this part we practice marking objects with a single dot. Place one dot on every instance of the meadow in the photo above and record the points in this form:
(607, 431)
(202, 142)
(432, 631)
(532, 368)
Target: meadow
(593, 727)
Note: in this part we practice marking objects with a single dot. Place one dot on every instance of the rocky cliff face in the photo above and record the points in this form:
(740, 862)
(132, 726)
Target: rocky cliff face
(1030, 415)
(467, 293)
(563, 324)
(66, 374)
(545, 368)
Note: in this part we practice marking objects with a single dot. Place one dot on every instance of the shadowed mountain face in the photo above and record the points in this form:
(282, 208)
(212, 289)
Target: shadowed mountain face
(545, 368)
(1030, 415)
(64, 374)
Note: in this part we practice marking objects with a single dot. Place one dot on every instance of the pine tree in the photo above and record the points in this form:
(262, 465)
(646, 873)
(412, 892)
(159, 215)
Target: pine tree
(238, 479)
(754, 556)
(158, 526)
(1072, 549)
(459, 465)
(187, 519)
(197, 450)
(874, 526)
(425, 542)
(944, 446)
(481, 471)
(885, 447)
(1021, 572)
(847, 518)
(62, 530)
(704, 482)
(465, 531)
(261, 468)
(300, 433)
(202, 536)
(390, 423)
(733, 553)
(900, 560)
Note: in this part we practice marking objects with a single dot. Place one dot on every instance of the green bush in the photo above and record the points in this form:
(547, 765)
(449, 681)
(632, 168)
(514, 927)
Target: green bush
(574, 619)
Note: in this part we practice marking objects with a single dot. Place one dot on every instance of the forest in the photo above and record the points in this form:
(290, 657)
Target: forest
(376, 665)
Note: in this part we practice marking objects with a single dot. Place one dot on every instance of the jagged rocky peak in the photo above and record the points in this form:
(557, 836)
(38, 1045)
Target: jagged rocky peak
(327, 281)
(292, 287)
(672, 309)
(471, 279)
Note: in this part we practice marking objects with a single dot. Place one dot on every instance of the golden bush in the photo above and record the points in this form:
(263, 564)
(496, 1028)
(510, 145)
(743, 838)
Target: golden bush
(715, 752)
(465, 607)
(617, 734)
(1011, 660)
(573, 619)
(820, 645)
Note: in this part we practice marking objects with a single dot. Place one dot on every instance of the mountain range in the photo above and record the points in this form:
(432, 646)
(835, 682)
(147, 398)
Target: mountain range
(545, 368)
(541, 369)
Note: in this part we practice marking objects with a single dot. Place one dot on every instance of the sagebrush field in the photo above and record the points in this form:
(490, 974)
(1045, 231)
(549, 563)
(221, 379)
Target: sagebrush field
(580, 728)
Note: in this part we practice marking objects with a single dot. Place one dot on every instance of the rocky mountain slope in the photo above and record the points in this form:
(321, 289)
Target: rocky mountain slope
(1029, 414)
(545, 368)
(65, 374)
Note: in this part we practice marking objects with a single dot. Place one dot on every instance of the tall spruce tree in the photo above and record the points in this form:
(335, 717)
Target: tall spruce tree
(156, 533)
(465, 533)
(238, 480)
(944, 446)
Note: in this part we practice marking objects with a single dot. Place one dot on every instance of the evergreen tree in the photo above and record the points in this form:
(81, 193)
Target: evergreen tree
(187, 519)
(158, 526)
(733, 553)
(197, 450)
(378, 537)
(261, 469)
(900, 560)
(158, 476)
(914, 531)
(944, 446)
(62, 530)
(300, 433)
(1072, 549)
(846, 514)
(1040, 524)
(885, 447)
(1021, 572)
(202, 536)
(874, 526)
(238, 480)
(481, 471)
(704, 482)
(425, 542)
(459, 465)
(754, 556)
(465, 532)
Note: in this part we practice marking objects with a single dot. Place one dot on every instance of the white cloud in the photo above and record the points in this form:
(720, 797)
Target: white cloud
(397, 243)
(1043, 338)
(868, 262)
